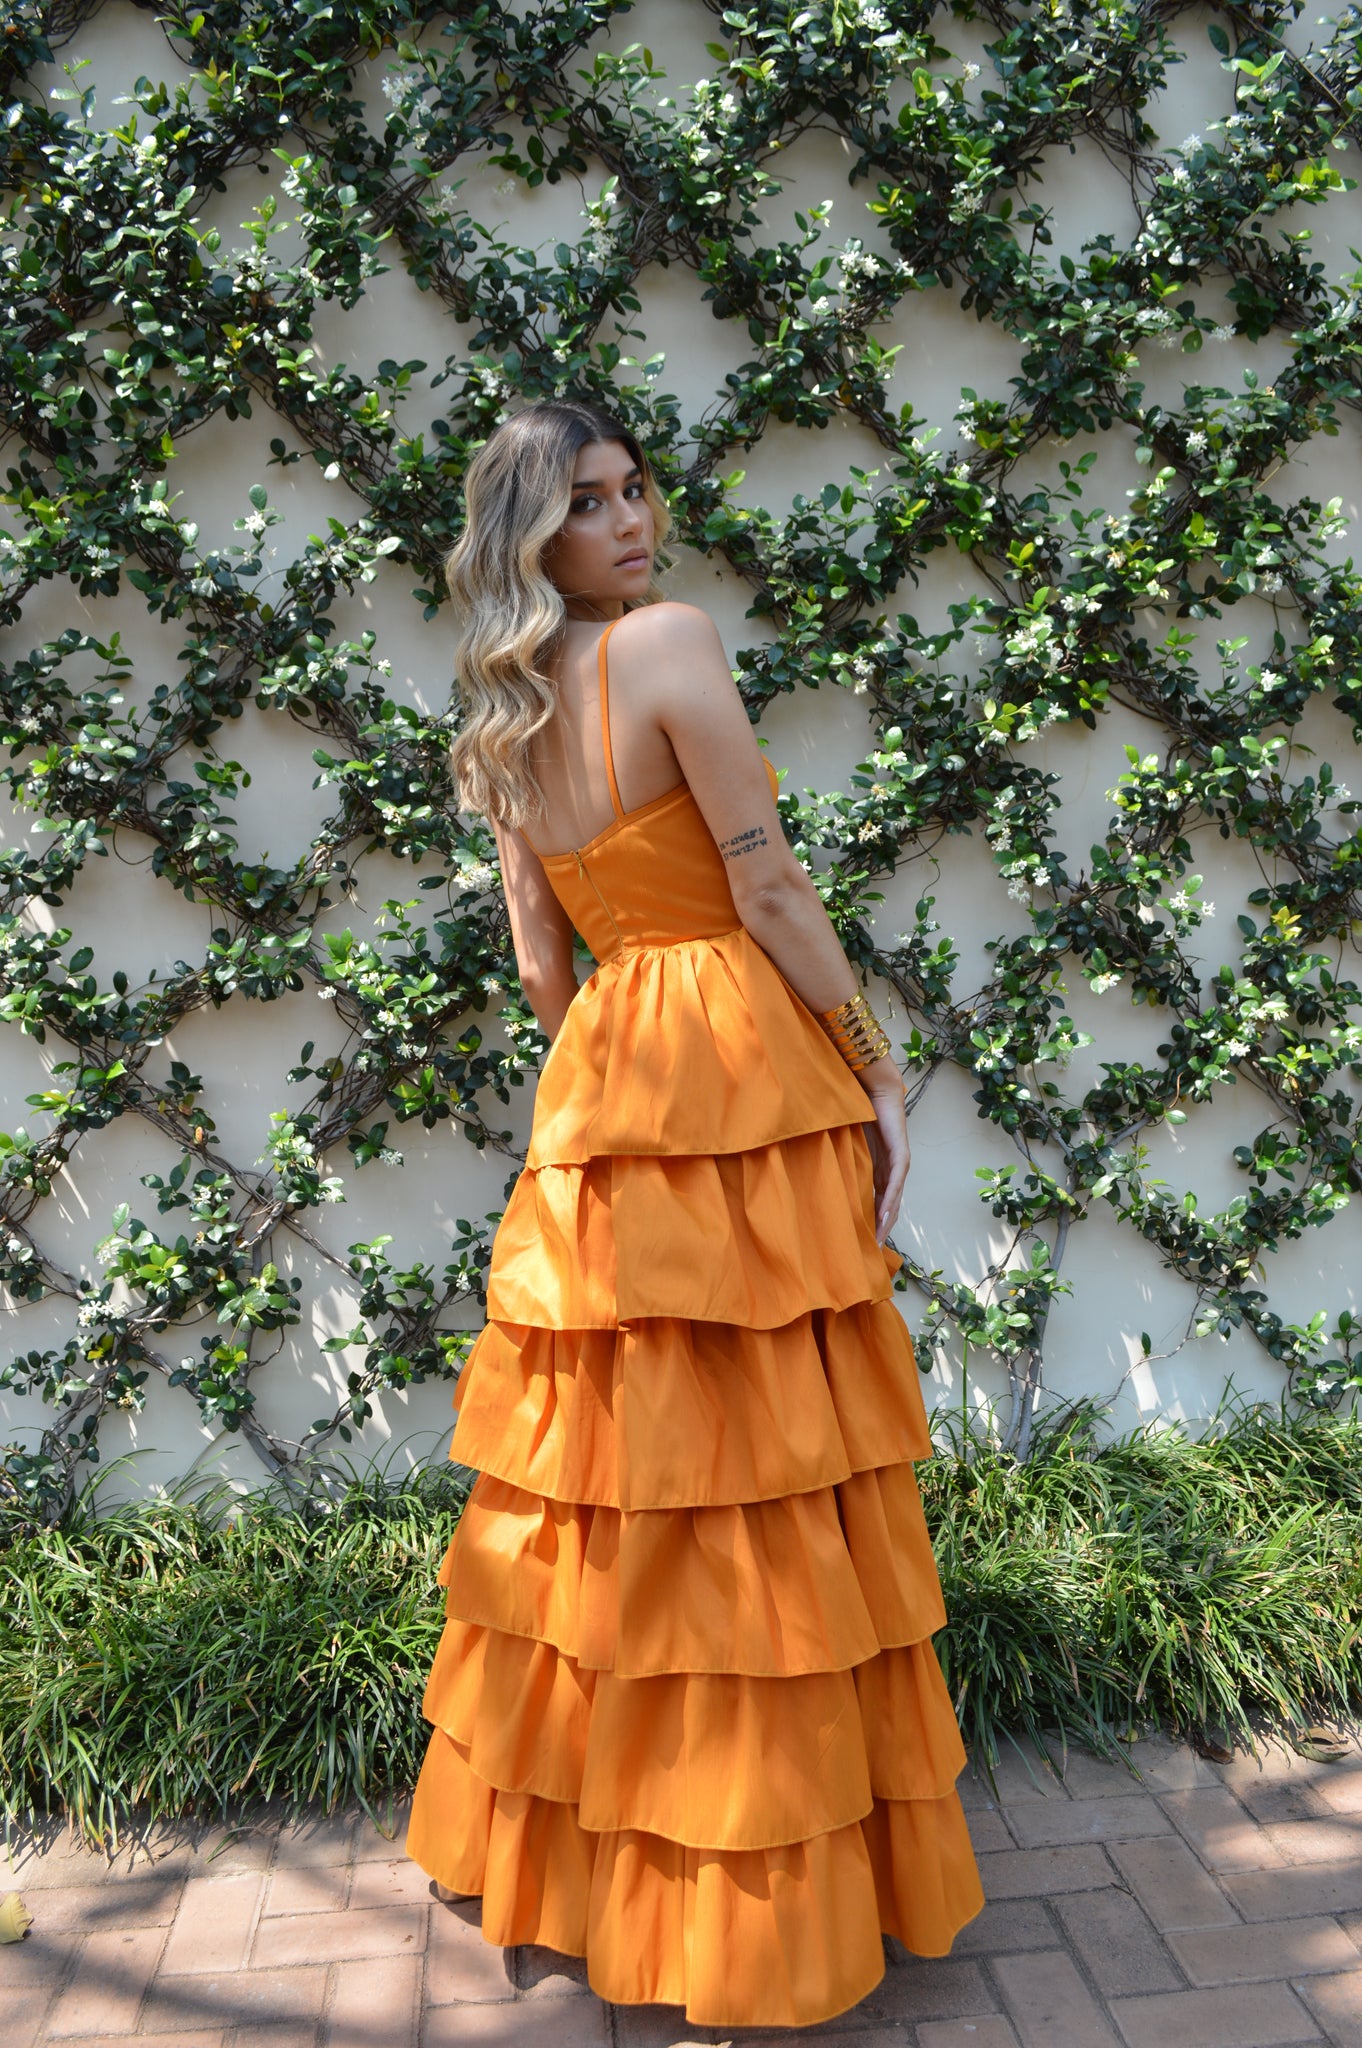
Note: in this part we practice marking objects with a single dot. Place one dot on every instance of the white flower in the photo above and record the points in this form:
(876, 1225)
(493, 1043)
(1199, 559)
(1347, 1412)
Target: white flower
(1222, 333)
(1268, 679)
(387, 1157)
(969, 71)
(1196, 442)
(1190, 143)
(1100, 983)
(326, 994)
(869, 830)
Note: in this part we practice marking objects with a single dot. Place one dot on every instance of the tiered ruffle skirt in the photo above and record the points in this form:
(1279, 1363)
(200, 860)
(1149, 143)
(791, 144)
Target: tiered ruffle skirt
(687, 1718)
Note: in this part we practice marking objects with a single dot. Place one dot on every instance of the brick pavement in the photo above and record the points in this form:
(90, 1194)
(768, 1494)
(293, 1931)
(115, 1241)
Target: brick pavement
(1201, 1906)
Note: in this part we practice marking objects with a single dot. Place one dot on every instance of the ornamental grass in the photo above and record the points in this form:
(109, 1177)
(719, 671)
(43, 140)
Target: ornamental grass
(183, 1657)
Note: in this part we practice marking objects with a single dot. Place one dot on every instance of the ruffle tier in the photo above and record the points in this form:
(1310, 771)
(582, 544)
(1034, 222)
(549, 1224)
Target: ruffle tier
(687, 1719)
(698, 1046)
(782, 1936)
(755, 1238)
(672, 1413)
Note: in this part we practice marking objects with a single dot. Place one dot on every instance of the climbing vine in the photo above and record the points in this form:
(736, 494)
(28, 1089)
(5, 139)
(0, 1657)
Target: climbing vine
(128, 326)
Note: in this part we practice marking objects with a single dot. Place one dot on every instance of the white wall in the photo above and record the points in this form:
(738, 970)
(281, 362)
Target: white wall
(1120, 1286)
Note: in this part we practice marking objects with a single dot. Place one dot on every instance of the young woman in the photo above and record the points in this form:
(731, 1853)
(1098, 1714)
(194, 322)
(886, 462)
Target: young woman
(687, 1718)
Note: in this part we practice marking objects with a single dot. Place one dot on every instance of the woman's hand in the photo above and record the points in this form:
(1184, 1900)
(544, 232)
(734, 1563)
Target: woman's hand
(888, 1139)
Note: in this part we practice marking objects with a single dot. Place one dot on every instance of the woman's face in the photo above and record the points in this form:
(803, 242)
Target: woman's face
(602, 554)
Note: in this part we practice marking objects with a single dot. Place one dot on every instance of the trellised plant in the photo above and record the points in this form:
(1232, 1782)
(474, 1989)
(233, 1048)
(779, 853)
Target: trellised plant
(127, 326)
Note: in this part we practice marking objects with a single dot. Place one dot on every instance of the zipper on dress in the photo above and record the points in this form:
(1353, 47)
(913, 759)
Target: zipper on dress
(582, 870)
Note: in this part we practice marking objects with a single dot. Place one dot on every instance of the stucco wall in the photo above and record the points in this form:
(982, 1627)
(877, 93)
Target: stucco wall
(1119, 1284)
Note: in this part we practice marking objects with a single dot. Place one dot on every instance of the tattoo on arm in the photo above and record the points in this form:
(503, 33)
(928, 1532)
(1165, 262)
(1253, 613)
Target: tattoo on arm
(743, 842)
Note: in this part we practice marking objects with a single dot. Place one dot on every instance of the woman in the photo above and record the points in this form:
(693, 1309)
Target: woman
(687, 1719)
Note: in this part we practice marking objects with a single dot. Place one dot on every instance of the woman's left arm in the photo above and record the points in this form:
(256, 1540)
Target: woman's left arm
(541, 931)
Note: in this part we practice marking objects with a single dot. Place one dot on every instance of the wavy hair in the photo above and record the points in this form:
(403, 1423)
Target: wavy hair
(517, 493)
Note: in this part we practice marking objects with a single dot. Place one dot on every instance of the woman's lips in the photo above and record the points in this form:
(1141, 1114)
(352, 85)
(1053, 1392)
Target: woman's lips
(632, 561)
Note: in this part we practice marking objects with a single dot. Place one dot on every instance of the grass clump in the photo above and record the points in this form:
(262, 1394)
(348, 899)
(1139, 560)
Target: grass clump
(164, 1659)
(1196, 1583)
(161, 1660)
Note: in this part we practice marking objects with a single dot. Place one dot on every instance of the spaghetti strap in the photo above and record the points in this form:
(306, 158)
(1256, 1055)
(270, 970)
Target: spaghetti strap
(605, 720)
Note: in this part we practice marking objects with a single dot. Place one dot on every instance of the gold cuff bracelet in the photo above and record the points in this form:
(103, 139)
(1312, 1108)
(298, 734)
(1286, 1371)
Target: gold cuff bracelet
(856, 1032)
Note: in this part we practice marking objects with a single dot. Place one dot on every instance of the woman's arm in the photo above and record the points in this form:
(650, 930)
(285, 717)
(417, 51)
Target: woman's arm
(677, 671)
(541, 931)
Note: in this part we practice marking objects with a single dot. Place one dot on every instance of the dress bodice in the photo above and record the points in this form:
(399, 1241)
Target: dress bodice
(653, 877)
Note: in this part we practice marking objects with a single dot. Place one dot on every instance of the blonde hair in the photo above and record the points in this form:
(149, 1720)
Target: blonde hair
(517, 493)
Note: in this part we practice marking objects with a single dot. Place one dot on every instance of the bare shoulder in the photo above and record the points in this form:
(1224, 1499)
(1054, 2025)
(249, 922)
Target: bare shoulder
(656, 631)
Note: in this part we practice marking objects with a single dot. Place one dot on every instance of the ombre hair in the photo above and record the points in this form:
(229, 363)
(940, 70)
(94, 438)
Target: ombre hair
(517, 494)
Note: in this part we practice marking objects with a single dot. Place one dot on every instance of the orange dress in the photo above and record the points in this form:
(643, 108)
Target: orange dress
(687, 1720)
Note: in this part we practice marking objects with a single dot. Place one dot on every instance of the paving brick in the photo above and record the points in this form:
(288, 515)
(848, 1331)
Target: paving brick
(1336, 2003)
(212, 1930)
(375, 2002)
(460, 1964)
(1049, 2004)
(1253, 1955)
(1041, 1824)
(1341, 1789)
(1117, 1943)
(988, 1830)
(339, 1937)
(36, 1862)
(131, 1902)
(1172, 1886)
(1006, 1927)
(975, 1793)
(248, 1999)
(45, 1958)
(992, 2032)
(665, 2026)
(1265, 2016)
(397, 1882)
(1088, 1776)
(1297, 1892)
(1337, 1839)
(211, 2037)
(533, 2023)
(325, 1840)
(1024, 1774)
(384, 1842)
(1036, 1873)
(299, 2033)
(1166, 1766)
(1220, 1831)
(1351, 1923)
(232, 1852)
(111, 1977)
(23, 2009)
(544, 1973)
(306, 1888)
(1276, 1785)
(929, 1989)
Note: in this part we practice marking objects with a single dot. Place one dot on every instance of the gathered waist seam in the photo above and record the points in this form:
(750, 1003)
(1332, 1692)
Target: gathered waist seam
(666, 945)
